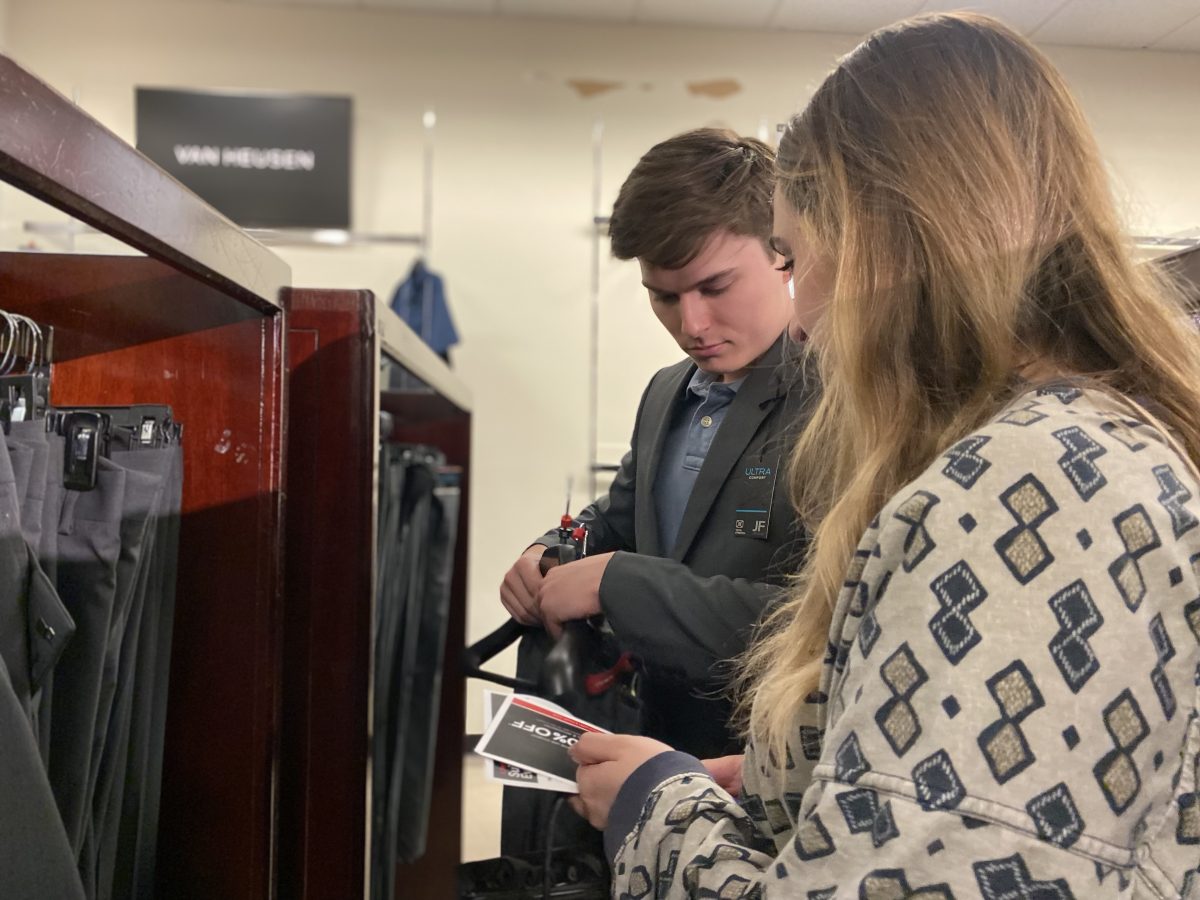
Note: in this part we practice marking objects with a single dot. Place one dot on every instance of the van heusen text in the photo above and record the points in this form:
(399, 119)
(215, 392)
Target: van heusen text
(245, 157)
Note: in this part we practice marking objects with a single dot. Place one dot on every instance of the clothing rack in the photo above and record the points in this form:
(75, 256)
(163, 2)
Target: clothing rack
(266, 755)
(196, 325)
(341, 344)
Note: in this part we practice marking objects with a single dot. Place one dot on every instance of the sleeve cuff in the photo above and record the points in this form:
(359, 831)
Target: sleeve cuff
(627, 808)
(609, 587)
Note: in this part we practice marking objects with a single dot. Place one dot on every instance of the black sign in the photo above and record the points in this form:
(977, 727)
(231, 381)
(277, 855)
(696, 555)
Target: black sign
(266, 161)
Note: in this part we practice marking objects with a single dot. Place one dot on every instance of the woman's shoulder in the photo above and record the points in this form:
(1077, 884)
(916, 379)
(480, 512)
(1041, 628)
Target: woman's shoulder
(1060, 447)
(1079, 433)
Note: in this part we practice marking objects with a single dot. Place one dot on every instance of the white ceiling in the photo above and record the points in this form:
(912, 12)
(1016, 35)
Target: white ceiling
(1157, 24)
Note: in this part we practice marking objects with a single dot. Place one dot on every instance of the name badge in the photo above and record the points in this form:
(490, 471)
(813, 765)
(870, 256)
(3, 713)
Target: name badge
(753, 520)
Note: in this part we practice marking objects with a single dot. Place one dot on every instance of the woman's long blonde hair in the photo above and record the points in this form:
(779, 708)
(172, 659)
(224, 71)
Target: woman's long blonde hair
(948, 177)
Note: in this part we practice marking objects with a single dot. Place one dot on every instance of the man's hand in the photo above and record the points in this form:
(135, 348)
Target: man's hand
(726, 771)
(571, 591)
(605, 762)
(519, 589)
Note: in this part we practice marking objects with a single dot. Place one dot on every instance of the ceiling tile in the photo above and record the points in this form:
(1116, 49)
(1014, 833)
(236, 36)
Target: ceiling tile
(731, 13)
(841, 18)
(1185, 37)
(1115, 23)
(1023, 15)
(600, 10)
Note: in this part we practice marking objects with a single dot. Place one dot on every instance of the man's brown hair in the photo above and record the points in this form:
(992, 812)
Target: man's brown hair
(688, 187)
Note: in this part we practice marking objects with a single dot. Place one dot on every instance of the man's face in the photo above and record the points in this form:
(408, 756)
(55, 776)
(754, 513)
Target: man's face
(726, 307)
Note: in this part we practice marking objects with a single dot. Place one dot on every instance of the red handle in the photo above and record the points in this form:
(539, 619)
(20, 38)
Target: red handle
(600, 682)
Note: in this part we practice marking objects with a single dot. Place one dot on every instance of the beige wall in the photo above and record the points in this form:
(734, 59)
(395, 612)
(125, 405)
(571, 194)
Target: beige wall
(513, 180)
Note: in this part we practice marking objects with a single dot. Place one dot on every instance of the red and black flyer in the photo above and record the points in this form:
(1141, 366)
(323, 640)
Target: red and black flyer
(534, 735)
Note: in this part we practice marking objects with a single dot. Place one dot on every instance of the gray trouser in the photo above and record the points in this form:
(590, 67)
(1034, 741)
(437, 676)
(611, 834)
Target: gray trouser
(36, 861)
(129, 828)
(34, 626)
(143, 497)
(32, 479)
(421, 682)
(390, 602)
(41, 506)
(89, 548)
(112, 552)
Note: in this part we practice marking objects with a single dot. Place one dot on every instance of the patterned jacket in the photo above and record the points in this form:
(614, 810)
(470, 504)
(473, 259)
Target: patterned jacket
(1008, 706)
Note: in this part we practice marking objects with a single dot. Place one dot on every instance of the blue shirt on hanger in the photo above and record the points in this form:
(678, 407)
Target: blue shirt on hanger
(420, 300)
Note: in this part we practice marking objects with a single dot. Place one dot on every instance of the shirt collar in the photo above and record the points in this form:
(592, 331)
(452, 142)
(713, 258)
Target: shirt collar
(702, 381)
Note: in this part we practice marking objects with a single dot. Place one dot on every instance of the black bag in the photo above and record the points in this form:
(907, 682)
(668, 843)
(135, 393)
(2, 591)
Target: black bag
(587, 673)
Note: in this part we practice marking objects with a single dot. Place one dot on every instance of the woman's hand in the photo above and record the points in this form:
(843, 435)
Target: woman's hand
(726, 772)
(605, 762)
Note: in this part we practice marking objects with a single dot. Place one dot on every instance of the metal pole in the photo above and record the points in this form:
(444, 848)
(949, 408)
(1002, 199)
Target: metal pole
(429, 120)
(594, 331)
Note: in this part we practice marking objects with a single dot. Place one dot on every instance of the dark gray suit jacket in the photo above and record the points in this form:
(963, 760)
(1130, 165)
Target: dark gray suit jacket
(685, 611)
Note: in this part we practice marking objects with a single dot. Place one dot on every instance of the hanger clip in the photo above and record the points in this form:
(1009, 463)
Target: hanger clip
(84, 432)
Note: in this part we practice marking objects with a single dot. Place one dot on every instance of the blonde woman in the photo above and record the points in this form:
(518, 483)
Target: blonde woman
(985, 683)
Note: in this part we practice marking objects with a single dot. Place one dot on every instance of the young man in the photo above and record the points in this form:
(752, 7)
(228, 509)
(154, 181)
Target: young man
(696, 533)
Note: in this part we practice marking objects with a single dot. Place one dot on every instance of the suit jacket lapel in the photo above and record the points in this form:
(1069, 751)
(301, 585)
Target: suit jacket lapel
(655, 423)
(754, 401)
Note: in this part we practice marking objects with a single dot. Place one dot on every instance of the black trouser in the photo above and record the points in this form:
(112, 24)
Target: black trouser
(89, 545)
(418, 523)
(34, 625)
(113, 551)
(51, 625)
(129, 827)
(421, 684)
(143, 497)
(407, 502)
(14, 587)
(36, 861)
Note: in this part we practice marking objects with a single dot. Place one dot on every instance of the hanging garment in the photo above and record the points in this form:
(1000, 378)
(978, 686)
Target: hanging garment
(410, 487)
(36, 861)
(115, 547)
(47, 554)
(20, 456)
(89, 550)
(420, 300)
(143, 492)
(34, 627)
(130, 831)
(32, 437)
(418, 522)
(421, 680)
